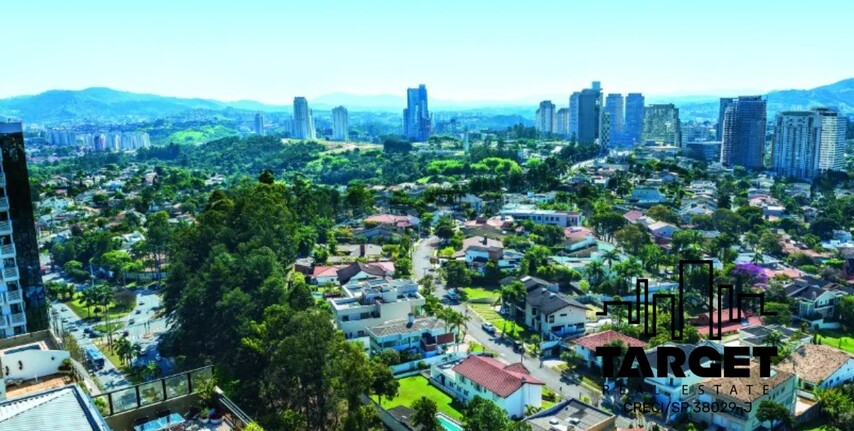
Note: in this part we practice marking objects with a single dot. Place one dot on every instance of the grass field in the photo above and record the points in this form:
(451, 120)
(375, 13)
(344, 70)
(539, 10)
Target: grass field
(82, 311)
(415, 387)
(487, 312)
(479, 293)
(838, 339)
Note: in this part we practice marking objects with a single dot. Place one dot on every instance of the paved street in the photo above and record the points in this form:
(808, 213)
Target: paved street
(145, 330)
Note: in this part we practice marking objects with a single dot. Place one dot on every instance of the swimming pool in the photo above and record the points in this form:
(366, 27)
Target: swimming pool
(448, 424)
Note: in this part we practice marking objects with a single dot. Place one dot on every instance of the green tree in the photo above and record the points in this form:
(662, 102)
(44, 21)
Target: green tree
(456, 274)
(774, 412)
(484, 415)
(426, 415)
(158, 233)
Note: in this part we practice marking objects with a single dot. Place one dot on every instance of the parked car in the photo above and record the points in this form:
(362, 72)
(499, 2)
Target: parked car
(94, 334)
(131, 321)
(138, 311)
(489, 328)
(518, 346)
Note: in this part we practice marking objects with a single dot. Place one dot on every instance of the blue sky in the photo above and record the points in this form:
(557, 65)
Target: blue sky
(463, 50)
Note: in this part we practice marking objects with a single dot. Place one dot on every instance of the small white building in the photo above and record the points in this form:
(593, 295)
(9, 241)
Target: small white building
(511, 387)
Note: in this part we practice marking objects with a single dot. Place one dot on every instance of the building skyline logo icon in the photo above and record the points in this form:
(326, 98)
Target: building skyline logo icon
(677, 305)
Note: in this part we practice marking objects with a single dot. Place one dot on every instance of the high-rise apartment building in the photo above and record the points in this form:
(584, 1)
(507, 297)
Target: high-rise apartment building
(562, 127)
(574, 100)
(589, 113)
(340, 124)
(797, 138)
(417, 122)
(743, 132)
(661, 125)
(635, 109)
(23, 303)
(546, 117)
(303, 121)
(832, 151)
(724, 103)
(616, 123)
(259, 124)
(808, 143)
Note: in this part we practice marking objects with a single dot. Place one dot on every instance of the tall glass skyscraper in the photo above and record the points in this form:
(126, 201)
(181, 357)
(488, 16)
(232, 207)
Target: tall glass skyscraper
(417, 121)
(633, 128)
(303, 122)
(23, 303)
(614, 108)
(743, 131)
(589, 113)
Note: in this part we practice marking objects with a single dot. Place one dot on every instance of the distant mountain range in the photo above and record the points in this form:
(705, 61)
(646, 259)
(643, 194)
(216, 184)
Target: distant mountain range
(105, 104)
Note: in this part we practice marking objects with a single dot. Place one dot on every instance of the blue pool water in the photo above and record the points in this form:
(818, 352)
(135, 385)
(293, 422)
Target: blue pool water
(448, 425)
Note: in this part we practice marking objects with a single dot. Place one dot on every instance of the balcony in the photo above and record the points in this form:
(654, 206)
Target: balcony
(13, 295)
(7, 250)
(177, 393)
(18, 318)
(5, 227)
(4, 203)
(10, 273)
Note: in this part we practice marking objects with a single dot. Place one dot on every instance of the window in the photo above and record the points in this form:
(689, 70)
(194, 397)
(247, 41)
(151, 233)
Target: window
(552, 318)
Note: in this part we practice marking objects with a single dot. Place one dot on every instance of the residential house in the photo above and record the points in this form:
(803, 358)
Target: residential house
(746, 393)
(474, 202)
(426, 335)
(578, 237)
(396, 221)
(819, 366)
(531, 283)
(661, 230)
(481, 249)
(382, 233)
(511, 387)
(128, 240)
(646, 196)
(814, 303)
(351, 252)
(554, 313)
(759, 335)
(633, 216)
(703, 320)
(572, 414)
(371, 303)
(358, 271)
(586, 345)
(552, 217)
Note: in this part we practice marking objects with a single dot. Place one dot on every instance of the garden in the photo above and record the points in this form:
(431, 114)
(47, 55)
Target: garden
(415, 387)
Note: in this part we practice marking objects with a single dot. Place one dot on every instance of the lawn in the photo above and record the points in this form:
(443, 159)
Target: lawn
(415, 387)
(487, 312)
(81, 311)
(838, 339)
(813, 425)
(480, 294)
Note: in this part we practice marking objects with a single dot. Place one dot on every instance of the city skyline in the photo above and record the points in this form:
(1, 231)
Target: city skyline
(197, 66)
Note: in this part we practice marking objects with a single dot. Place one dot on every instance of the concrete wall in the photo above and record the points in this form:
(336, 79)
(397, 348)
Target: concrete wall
(31, 364)
(30, 337)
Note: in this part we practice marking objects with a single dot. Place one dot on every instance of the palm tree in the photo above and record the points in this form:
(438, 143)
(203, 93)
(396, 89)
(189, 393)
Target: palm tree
(457, 321)
(90, 298)
(611, 256)
(123, 349)
(595, 271)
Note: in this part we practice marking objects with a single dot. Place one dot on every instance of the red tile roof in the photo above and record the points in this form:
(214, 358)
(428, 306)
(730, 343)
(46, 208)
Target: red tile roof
(702, 322)
(633, 215)
(600, 339)
(497, 377)
(577, 233)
